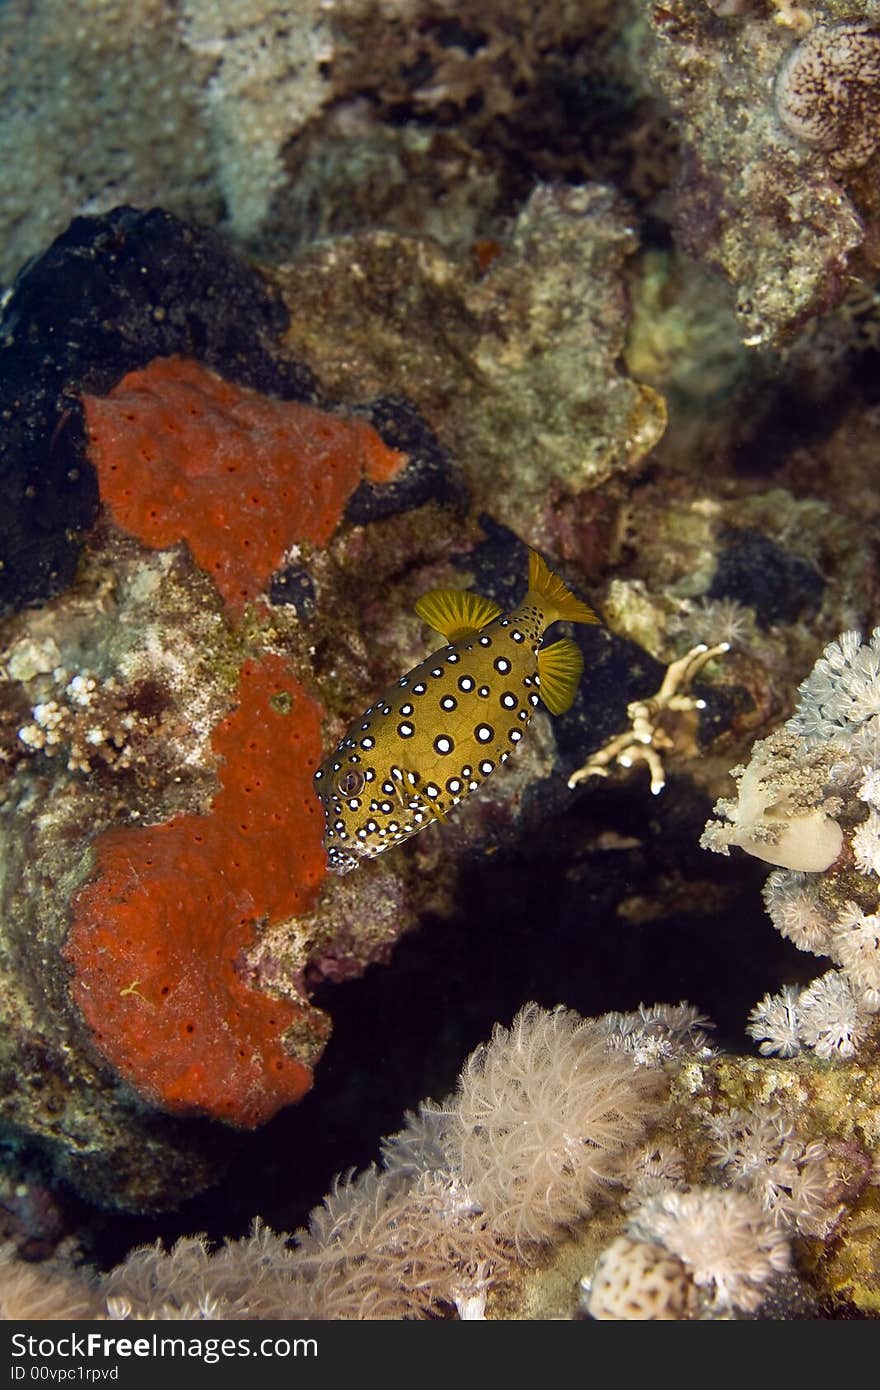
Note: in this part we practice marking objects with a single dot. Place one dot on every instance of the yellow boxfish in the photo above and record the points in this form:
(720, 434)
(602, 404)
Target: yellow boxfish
(430, 740)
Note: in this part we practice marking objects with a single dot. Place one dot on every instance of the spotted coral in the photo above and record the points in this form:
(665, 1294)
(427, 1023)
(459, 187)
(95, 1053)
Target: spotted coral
(828, 91)
(159, 933)
(182, 454)
(639, 1281)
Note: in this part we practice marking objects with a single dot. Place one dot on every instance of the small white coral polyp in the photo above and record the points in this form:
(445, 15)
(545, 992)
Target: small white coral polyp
(791, 1177)
(855, 945)
(841, 695)
(866, 844)
(773, 1023)
(543, 1114)
(829, 1018)
(792, 900)
(730, 1247)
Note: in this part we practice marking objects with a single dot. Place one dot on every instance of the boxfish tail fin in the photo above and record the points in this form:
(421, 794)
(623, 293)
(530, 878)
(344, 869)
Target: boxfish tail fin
(554, 596)
(456, 613)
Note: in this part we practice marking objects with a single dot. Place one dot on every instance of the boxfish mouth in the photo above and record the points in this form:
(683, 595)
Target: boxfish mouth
(339, 861)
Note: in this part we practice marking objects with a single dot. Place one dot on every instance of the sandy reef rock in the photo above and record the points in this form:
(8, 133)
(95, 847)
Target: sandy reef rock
(775, 212)
(272, 118)
(520, 363)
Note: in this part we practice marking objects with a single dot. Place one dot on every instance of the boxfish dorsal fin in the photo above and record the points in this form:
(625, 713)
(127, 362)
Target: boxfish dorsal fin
(560, 668)
(456, 613)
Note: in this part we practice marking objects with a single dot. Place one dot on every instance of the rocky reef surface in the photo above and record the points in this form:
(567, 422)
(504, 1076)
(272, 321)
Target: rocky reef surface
(312, 309)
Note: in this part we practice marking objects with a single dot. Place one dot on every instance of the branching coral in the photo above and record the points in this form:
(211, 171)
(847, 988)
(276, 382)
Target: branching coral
(651, 722)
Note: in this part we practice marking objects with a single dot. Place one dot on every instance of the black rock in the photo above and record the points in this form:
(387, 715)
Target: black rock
(108, 296)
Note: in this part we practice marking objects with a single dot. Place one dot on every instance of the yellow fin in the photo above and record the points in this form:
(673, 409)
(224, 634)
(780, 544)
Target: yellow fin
(431, 805)
(554, 596)
(560, 668)
(456, 613)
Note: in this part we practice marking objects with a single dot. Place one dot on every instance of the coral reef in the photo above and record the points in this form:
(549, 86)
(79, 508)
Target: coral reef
(159, 733)
(545, 1133)
(775, 219)
(108, 296)
(527, 378)
(321, 118)
(465, 1190)
(313, 310)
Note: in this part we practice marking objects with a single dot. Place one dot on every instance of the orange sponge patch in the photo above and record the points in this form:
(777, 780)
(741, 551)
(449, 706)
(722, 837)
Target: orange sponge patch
(182, 454)
(158, 936)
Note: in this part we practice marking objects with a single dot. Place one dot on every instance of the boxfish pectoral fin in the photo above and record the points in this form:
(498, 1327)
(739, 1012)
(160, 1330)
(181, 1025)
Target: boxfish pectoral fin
(560, 668)
(434, 809)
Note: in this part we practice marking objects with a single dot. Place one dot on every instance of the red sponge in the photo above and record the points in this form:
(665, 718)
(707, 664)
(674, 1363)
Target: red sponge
(158, 935)
(182, 454)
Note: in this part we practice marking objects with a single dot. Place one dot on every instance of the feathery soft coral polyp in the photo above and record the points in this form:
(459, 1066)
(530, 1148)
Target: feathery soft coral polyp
(182, 454)
(159, 934)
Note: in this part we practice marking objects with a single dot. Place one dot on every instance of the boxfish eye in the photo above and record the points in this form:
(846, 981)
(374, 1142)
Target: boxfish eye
(351, 783)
